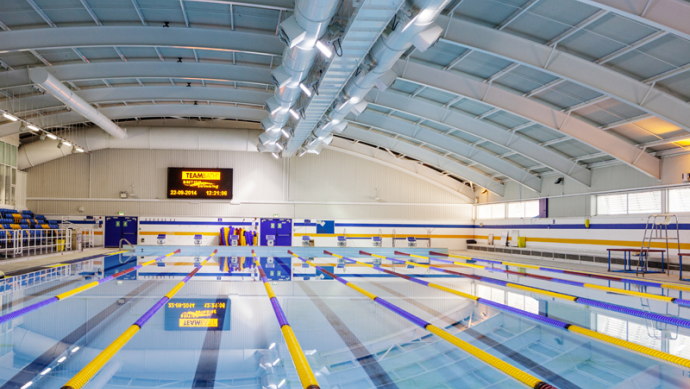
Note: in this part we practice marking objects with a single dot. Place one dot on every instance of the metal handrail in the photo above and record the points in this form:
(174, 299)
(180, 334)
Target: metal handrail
(128, 242)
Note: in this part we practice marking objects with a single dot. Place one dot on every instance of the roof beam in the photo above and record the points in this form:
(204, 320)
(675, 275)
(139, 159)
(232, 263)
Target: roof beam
(138, 10)
(155, 111)
(668, 15)
(91, 13)
(483, 130)
(530, 110)
(516, 14)
(147, 93)
(425, 155)
(634, 46)
(189, 71)
(413, 168)
(568, 33)
(570, 67)
(124, 36)
(450, 145)
(40, 12)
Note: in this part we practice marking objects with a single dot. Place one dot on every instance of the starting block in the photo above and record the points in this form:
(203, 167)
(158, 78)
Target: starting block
(376, 241)
(342, 241)
(197, 240)
(160, 239)
(411, 241)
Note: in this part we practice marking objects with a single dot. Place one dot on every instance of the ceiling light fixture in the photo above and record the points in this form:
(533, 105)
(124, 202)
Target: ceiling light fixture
(294, 114)
(10, 117)
(324, 49)
(275, 155)
(66, 143)
(280, 146)
(51, 136)
(33, 128)
(287, 135)
(80, 150)
(59, 145)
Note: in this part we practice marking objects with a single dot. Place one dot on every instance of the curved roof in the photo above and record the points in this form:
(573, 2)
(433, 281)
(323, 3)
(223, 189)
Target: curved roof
(513, 89)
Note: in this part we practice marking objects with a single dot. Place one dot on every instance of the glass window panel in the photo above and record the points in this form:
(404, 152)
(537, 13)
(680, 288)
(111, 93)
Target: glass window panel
(2, 180)
(644, 202)
(8, 154)
(2, 154)
(613, 204)
(483, 211)
(612, 327)
(516, 210)
(679, 200)
(498, 211)
(531, 208)
(532, 305)
(14, 156)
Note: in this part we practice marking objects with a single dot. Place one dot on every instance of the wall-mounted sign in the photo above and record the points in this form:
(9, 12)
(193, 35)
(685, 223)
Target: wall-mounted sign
(197, 315)
(199, 183)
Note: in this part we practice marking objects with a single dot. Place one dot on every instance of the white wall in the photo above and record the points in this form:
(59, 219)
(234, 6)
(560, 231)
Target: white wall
(333, 185)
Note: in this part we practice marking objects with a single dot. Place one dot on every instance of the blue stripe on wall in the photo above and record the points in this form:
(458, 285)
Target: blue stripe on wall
(184, 223)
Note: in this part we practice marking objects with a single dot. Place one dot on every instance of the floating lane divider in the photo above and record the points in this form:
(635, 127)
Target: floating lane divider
(70, 293)
(646, 351)
(306, 375)
(571, 272)
(498, 364)
(666, 299)
(93, 367)
(676, 321)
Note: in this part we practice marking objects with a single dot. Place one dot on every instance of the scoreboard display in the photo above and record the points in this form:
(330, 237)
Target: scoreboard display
(199, 183)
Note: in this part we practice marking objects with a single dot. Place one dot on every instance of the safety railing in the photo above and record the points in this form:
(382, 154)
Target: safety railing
(14, 243)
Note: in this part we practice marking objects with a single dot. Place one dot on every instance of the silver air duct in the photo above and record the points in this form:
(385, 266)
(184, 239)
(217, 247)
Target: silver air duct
(413, 25)
(149, 138)
(300, 33)
(52, 85)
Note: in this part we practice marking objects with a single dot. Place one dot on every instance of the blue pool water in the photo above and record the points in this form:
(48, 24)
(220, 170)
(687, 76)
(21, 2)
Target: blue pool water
(350, 342)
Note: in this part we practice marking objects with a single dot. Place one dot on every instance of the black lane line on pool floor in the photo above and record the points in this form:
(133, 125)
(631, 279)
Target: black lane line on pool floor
(371, 366)
(208, 360)
(39, 364)
(42, 293)
(544, 372)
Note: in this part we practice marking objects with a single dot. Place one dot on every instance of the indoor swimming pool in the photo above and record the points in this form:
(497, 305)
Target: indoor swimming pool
(220, 328)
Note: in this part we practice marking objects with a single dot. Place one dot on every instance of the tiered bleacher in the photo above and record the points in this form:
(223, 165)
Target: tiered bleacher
(24, 229)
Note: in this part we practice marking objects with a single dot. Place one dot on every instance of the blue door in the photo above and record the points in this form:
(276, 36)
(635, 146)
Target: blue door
(120, 227)
(284, 232)
(129, 229)
(280, 228)
(113, 231)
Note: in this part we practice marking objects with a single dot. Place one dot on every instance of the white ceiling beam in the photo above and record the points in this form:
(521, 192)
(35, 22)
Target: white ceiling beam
(669, 15)
(570, 67)
(188, 71)
(412, 168)
(248, 41)
(530, 110)
(481, 129)
(516, 14)
(155, 111)
(425, 155)
(454, 146)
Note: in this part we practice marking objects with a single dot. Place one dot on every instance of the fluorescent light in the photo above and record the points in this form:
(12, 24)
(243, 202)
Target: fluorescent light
(325, 49)
(294, 113)
(26, 385)
(275, 155)
(356, 100)
(276, 361)
(66, 143)
(281, 383)
(62, 359)
(303, 152)
(305, 89)
(79, 149)
(271, 346)
(280, 146)
(46, 371)
(51, 136)
(74, 350)
(11, 117)
(335, 122)
(285, 133)
(33, 128)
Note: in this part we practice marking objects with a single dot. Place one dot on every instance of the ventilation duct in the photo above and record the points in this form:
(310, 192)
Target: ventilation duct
(52, 85)
(148, 138)
(413, 24)
(300, 33)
